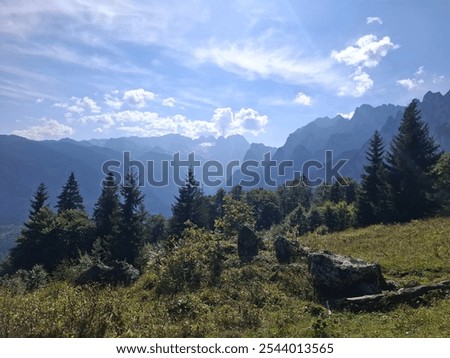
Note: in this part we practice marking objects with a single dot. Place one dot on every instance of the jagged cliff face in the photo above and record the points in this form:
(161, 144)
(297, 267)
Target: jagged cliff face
(349, 138)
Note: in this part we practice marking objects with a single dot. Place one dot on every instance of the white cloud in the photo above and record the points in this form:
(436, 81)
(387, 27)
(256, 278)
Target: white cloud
(223, 122)
(138, 97)
(303, 99)
(410, 83)
(363, 83)
(40, 100)
(374, 19)
(79, 105)
(438, 79)
(169, 102)
(113, 102)
(48, 129)
(414, 82)
(347, 115)
(247, 120)
(253, 59)
(367, 51)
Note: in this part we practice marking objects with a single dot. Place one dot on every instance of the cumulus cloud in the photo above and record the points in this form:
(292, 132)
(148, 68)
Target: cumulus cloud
(113, 102)
(415, 81)
(410, 83)
(145, 123)
(303, 99)
(138, 97)
(169, 102)
(374, 19)
(246, 120)
(363, 83)
(367, 51)
(80, 105)
(48, 129)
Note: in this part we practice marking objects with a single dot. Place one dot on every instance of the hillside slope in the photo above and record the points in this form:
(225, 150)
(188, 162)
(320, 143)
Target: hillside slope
(182, 295)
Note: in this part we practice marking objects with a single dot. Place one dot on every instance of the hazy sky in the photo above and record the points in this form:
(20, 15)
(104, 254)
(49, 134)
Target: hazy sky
(90, 69)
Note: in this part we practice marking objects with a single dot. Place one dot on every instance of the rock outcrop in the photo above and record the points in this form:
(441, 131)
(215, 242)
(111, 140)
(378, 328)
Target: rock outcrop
(386, 300)
(285, 250)
(336, 276)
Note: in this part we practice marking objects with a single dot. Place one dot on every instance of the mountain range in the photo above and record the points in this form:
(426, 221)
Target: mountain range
(25, 163)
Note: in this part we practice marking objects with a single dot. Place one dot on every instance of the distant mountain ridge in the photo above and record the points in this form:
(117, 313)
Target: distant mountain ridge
(25, 163)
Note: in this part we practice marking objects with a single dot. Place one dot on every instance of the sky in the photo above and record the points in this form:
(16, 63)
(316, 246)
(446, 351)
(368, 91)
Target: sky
(109, 68)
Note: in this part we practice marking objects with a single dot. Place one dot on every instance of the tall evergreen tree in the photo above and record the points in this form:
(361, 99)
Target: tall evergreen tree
(126, 245)
(107, 215)
(35, 238)
(70, 197)
(372, 195)
(412, 156)
(39, 201)
(189, 205)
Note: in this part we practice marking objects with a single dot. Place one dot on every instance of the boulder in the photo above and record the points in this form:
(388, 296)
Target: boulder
(119, 273)
(336, 276)
(96, 273)
(285, 250)
(248, 244)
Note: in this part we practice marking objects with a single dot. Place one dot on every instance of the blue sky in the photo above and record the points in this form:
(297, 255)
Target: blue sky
(94, 69)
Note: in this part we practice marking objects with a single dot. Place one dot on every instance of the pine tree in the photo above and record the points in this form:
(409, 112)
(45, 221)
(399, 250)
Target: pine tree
(70, 197)
(411, 159)
(372, 195)
(126, 245)
(36, 236)
(39, 200)
(189, 206)
(107, 215)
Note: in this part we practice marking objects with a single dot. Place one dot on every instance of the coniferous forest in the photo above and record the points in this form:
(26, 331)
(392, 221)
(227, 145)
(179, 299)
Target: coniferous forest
(237, 263)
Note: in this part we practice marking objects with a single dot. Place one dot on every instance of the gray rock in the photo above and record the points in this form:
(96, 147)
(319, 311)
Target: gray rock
(120, 273)
(96, 273)
(248, 244)
(388, 300)
(336, 276)
(286, 251)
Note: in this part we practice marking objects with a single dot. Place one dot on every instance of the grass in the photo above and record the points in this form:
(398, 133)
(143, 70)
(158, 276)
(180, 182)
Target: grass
(418, 252)
(261, 299)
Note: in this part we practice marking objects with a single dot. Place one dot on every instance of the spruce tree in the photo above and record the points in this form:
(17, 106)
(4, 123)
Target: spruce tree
(36, 237)
(70, 197)
(372, 195)
(189, 206)
(411, 159)
(107, 215)
(39, 200)
(126, 245)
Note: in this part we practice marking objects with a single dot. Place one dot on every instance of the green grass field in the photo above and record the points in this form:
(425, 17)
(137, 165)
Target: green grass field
(181, 295)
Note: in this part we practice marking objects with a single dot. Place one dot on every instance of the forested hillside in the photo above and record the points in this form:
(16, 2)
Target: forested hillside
(242, 263)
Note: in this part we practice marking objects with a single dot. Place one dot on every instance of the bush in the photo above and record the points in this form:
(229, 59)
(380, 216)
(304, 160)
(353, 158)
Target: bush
(195, 262)
(25, 280)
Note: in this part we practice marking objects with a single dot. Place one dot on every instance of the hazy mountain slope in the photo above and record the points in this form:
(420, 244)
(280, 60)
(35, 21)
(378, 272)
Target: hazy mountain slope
(25, 163)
